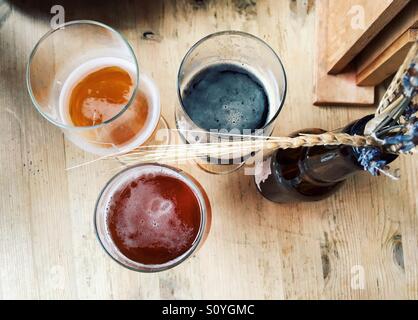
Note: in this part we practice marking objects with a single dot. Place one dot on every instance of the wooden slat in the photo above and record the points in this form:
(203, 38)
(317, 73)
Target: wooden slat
(353, 24)
(334, 90)
(389, 61)
(406, 20)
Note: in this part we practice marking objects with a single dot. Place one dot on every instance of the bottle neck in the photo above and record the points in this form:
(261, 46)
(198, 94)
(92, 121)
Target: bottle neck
(325, 165)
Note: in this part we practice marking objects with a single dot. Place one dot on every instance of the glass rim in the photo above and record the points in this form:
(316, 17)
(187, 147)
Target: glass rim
(238, 33)
(60, 28)
(205, 209)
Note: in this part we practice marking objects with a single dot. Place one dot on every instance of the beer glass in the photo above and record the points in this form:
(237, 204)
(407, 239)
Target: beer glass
(249, 55)
(79, 50)
(150, 222)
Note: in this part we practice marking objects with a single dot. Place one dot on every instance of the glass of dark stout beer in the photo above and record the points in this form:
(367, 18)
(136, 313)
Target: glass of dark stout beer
(151, 217)
(231, 86)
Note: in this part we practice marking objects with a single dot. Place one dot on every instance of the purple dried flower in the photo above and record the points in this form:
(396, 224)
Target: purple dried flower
(406, 139)
(410, 110)
(370, 159)
(410, 80)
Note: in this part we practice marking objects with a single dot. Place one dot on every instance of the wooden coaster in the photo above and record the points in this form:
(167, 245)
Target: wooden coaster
(334, 90)
(389, 61)
(353, 24)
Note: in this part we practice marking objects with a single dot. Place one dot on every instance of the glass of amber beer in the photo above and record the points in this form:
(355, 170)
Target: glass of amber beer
(152, 217)
(84, 78)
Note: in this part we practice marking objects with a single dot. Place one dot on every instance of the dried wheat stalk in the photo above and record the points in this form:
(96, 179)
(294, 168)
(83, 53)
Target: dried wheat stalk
(184, 152)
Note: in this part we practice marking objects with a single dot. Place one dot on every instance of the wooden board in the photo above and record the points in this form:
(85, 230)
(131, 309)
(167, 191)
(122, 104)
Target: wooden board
(353, 24)
(256, 249)
(406, 20)
(389, 61)
(334, 90)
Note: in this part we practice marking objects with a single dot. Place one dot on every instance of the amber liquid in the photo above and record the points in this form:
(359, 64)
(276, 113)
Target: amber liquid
(154, 219)
(100, 96)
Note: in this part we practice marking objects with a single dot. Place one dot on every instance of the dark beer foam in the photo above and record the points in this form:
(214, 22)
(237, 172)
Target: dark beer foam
(226, 96)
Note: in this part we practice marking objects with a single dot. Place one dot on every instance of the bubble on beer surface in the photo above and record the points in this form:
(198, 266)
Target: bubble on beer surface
(100, 95)
(130, 129)
(226, 96)
(146, 216)
(99, 110)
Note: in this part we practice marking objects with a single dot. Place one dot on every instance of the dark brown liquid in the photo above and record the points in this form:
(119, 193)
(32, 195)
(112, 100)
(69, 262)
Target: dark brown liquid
(294, 173)
(154, 219)
(226, 97)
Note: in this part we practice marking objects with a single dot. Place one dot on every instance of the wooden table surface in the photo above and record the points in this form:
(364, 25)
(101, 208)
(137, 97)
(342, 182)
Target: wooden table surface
(256, 249)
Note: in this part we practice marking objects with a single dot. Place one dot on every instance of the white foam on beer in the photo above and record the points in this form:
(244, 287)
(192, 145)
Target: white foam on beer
(145, 85)
(166, 226)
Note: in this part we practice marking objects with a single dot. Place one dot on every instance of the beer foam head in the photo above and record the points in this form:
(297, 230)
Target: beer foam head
(146, 171)
(160, 219)
(145, 85)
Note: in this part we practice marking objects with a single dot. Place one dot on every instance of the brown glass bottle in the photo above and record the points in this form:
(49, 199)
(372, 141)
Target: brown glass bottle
(310, 174)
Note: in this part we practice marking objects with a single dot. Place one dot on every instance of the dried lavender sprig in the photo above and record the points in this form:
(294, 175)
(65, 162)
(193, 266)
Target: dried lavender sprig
(411, 109)
(396, 87)
(371, 160)
(410, 81)
(396, 103)
(395, 125)
(402, 136)
(406, 140)
(403, 107)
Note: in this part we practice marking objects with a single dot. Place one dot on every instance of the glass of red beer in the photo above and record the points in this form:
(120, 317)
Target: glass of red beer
(152, 217)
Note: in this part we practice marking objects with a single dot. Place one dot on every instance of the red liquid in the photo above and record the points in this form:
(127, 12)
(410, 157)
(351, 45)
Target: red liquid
(154, 219)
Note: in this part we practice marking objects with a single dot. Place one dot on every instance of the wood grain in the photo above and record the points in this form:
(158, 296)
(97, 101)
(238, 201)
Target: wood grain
(353, 24)
(389, 61)
(256, 249)
(334, 90)
(404, 21)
